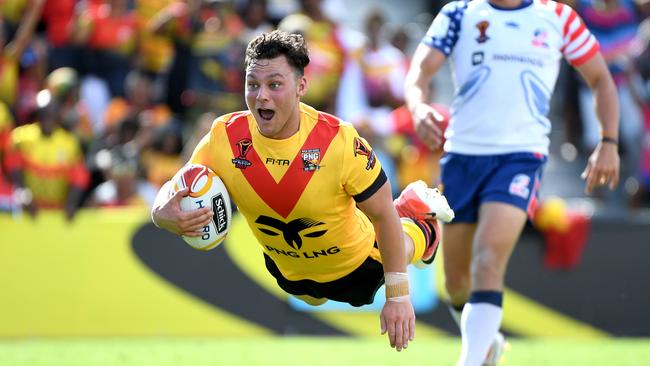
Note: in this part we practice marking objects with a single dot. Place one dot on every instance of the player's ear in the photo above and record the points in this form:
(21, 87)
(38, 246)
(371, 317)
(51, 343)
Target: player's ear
(302, 86)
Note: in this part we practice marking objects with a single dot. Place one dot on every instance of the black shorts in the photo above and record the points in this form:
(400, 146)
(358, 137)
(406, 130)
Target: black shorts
(357, 288)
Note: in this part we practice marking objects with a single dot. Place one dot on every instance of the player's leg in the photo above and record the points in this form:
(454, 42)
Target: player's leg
(420, 208)
(499, 227)
(462, 176)
(457, 249)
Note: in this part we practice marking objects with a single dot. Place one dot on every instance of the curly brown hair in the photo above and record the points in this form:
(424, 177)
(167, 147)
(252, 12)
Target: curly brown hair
(279, 43)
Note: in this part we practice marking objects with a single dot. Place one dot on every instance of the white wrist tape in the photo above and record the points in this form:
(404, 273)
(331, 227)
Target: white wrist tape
(397, 286)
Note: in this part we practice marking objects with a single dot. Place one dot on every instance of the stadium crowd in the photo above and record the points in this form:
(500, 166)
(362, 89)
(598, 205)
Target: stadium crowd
(101, 101)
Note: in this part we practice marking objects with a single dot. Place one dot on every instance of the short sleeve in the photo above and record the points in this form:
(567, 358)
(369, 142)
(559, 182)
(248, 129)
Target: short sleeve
(445, 28)
(362, 172)
(578, 44)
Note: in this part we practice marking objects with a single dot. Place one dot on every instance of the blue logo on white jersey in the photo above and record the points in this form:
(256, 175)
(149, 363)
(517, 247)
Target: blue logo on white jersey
(537, 96)
(474, 82)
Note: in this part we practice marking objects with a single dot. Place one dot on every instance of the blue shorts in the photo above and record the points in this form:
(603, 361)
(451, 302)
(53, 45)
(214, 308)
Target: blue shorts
(471, 180)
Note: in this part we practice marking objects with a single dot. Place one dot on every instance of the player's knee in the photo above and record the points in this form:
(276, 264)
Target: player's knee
(458, 285)
(487, 268)
(313, 301)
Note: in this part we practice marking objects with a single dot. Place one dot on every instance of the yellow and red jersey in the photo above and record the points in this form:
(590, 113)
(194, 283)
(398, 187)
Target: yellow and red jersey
(118, 34)
(156, 51)
(13, 10)
(8, 80)
(298, 194)
(6, 125)
(327, 59)
(50, 164)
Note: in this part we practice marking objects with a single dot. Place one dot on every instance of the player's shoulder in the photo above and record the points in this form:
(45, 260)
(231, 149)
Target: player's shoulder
(456, 8)
(65, 138)
(329, 124)
(220, 123)
(557, 9)
(234, 117)
(25, 133)
(320, 119)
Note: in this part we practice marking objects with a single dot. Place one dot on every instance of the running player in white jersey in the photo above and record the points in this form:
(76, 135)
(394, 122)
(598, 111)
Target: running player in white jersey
(505, 58)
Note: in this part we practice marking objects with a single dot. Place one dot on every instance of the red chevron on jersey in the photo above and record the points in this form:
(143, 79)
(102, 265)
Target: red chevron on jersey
(283, 196)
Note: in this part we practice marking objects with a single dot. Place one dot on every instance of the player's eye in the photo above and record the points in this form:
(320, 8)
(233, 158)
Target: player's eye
(252, 85)
(275, 85)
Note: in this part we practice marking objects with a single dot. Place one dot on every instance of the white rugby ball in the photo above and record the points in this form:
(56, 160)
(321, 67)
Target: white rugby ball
(206, 189)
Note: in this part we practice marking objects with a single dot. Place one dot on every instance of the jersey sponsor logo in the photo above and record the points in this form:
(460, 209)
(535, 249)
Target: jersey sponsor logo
(290, 230)
(310, 159)
(243, 147)
(308, 255)
(539, 38)
(519, 186)
(518, 58)
(360, 148)
(282, 162)
(482, 27)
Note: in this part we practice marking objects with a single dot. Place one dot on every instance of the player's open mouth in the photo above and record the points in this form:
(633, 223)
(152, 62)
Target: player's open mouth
(266, 114)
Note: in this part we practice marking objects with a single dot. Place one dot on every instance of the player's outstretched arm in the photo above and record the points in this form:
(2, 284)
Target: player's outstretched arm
(166, 213)
(417, 90)
(397, 317)
(604, 163)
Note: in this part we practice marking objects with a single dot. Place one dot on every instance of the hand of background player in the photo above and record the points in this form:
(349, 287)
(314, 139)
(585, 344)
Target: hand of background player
(426, 121)
(170, 217)
(602, 167)
(398, 319)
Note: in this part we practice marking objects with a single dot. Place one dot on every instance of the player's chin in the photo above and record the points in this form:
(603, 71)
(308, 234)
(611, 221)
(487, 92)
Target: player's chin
(267, 129)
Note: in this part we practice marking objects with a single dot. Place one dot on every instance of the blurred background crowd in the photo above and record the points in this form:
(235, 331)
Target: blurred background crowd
(102, 101)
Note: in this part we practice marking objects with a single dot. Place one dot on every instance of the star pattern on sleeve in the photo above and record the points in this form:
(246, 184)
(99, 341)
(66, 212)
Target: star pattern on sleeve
(454, 12)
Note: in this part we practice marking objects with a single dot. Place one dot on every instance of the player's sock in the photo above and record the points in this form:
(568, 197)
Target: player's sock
(423, 235)
(480, 322)
(456, 312)
(430, 237)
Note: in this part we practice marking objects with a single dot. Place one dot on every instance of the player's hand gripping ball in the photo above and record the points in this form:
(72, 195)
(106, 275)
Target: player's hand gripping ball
(205, 190)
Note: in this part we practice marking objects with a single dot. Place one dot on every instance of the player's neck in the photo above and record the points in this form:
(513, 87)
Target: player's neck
(506, 3)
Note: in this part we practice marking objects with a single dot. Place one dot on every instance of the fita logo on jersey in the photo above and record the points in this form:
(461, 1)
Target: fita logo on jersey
(482, 27)
(243, 147)
(360, 148)
(539, 38)
(310, 159)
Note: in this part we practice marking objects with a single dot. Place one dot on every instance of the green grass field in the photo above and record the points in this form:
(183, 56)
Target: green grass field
(308, 351)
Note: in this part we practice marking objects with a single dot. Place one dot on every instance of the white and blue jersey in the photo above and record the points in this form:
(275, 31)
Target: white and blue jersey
(505, 63)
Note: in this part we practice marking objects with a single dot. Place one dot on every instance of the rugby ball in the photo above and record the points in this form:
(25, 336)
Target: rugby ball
(206, 189)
